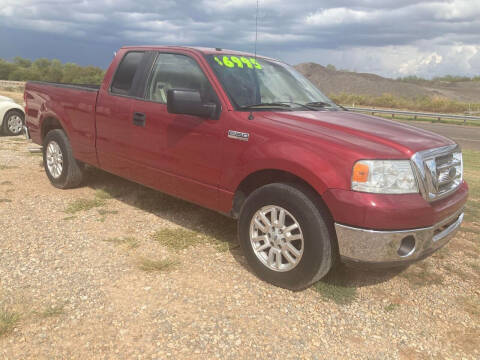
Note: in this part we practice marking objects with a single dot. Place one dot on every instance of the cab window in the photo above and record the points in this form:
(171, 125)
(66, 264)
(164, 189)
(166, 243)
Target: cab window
(129, 66)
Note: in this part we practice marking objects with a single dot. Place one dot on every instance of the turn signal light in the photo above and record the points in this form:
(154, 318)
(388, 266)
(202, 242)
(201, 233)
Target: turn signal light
(360, 173)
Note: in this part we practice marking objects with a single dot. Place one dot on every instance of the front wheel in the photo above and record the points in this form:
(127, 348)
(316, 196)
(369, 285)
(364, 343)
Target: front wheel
(285, 236)
(61, 167)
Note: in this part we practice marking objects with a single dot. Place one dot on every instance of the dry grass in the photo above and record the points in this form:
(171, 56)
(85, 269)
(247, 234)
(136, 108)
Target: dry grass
(107, 212)
(5, 201)
(391, 307)
(6, 183)
(178, 239)
(83, 205)
(336, 287)
(128, 241)
(103, 194)
(151, 265)
(428, 104)
(8, 320)
(341, 295)
(52, 311)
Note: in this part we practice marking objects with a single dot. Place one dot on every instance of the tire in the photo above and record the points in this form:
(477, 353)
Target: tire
(13, 122)
(57, 150)
(316, 248)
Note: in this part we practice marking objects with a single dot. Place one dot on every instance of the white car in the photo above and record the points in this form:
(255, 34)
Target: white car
(12, 117)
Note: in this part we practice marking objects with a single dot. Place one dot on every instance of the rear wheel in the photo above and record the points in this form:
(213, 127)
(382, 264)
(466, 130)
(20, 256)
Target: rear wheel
(285, 236)
(61, 167)
(13, 122)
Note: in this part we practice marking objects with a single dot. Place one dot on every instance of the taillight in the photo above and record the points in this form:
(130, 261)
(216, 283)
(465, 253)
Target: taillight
(25, 103)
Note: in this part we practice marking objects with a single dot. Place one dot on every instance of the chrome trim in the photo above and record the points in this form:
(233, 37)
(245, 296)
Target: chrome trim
(238, 135)
(54, 159)
(425, 169)
(35, 150)
(382, 246)
(448, 231)
(26, 132)
(276, 238)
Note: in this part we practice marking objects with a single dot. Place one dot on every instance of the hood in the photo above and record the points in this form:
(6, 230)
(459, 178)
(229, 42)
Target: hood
(369, 134)
(4, 98)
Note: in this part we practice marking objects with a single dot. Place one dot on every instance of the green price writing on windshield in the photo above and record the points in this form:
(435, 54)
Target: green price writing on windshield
(240, 62)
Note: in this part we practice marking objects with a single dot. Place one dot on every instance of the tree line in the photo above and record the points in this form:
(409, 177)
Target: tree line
(42, 69)
(447, 78)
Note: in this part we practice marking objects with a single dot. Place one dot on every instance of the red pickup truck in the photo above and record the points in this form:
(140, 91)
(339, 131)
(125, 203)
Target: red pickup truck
(248, 136)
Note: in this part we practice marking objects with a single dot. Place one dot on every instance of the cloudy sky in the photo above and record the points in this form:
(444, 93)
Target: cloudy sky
(388, 37)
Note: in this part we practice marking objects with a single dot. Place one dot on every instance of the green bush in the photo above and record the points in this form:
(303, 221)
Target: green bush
(49, 70)
(425, 103)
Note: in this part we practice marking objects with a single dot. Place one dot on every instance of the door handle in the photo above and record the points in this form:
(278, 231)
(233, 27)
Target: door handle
(139, 119)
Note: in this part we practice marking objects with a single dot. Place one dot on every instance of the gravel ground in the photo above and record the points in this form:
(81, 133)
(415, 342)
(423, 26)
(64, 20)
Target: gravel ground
(74, 283)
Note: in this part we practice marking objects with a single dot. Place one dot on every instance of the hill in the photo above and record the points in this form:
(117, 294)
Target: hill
(334, 82)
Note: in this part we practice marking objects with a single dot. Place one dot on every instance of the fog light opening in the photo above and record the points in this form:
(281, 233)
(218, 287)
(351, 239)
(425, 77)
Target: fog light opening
(407, 246)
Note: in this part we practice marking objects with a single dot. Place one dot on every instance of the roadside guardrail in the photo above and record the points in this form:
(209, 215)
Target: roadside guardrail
(8, 83)
(414, 114)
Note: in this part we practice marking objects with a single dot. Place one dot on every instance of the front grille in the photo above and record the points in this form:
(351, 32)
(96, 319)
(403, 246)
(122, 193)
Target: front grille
(439, 171)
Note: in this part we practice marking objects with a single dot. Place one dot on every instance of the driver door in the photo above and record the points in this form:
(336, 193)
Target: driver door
(186, 148)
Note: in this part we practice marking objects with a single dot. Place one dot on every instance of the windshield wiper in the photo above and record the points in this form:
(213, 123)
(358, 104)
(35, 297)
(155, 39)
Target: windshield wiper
(305, 106)
(318, 104)
(266, 105)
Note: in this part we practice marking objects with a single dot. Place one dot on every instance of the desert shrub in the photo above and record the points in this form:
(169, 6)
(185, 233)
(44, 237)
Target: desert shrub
(49, 70)
(424, 103)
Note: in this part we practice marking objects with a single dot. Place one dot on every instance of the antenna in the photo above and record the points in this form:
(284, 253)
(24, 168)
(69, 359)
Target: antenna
(251, 117)
(256, 32)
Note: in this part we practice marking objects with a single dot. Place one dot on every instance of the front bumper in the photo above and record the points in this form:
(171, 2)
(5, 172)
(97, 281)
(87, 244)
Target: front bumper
(358, 245)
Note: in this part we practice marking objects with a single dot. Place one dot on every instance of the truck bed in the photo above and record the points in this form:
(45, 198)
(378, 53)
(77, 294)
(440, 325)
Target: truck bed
(84, 87)
(71, 105)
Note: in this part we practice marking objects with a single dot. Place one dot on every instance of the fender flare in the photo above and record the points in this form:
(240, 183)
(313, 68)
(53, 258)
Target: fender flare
(315, 170)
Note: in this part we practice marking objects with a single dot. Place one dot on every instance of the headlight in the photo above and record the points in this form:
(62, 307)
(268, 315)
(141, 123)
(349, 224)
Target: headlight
(384, 177)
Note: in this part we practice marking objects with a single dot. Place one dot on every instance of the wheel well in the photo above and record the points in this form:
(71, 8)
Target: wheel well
(13, 110)
(50, 124)
(265, 177)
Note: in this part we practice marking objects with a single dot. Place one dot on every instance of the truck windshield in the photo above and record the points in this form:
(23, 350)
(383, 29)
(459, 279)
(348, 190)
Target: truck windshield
(260, 84)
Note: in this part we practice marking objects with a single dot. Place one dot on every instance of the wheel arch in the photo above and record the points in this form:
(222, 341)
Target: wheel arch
(50, 123)
(263, 177)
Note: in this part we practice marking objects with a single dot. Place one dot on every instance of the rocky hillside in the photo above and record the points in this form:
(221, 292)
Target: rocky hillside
(332, 81)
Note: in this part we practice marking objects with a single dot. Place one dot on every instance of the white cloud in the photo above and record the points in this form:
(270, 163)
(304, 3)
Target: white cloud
(339, 16)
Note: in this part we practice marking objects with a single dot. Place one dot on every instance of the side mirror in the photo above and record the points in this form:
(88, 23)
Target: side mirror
(185, 101)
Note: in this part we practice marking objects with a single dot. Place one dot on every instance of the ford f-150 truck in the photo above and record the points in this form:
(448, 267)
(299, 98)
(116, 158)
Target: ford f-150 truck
(248, 136)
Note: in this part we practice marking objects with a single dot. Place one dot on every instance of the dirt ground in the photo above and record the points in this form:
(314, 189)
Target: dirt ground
(115, 270)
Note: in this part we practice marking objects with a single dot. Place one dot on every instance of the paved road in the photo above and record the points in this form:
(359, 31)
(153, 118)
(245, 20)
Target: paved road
(467, 136)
